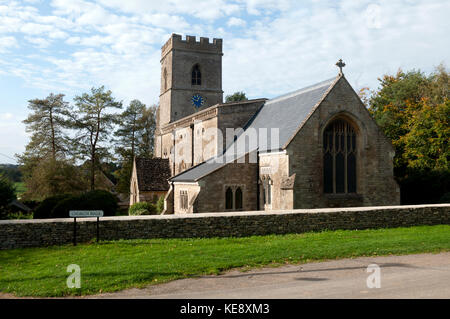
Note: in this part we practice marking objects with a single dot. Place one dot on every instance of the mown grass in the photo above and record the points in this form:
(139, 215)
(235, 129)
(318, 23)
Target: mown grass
(20, 188)
(116, 265)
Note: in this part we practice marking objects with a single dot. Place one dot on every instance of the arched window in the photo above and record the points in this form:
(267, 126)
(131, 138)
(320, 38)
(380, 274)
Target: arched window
(339, 159)
(196, 75)
(238, 198)
(229, 198)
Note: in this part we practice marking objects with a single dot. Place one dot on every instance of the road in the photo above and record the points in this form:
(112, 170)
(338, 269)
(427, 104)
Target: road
(411, 276)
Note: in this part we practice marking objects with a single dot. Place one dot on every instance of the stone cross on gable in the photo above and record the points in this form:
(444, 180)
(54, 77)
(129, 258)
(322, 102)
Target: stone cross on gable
(340, 65)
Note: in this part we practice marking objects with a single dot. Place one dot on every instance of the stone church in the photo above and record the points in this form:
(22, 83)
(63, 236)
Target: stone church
(312, 148)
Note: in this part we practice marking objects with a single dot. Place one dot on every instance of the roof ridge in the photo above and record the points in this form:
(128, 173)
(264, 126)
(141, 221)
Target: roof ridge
(301, 91)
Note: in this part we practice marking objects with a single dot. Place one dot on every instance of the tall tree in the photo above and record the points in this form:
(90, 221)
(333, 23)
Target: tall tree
(146, 139)
(93, 125)
(134, 138)
(47, 123)
(48, 147)
(130, 127)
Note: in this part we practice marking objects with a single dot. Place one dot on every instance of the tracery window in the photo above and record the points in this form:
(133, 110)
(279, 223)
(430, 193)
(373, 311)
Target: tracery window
(339, 159)
(196, 75)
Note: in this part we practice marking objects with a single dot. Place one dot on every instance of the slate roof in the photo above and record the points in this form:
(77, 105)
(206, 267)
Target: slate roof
(152, 174)
(287, 113)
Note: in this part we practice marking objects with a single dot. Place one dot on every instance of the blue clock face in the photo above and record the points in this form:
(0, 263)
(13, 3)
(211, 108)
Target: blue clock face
(197, 100)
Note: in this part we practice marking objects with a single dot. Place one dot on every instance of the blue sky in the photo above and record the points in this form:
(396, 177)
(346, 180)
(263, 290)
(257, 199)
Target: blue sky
(271, 47)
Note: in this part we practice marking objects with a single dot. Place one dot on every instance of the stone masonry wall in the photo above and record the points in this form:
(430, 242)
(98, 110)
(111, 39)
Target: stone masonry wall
(32, 233)
(375, 178)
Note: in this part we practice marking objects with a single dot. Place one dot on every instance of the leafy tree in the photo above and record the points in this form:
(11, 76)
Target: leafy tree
(236, 97)
(12, 172)
(7, 194)
(93, 124)
(53, 177)
(413, 110)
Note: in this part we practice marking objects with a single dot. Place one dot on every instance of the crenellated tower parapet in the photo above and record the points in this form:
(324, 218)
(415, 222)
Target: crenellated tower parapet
(190, 43)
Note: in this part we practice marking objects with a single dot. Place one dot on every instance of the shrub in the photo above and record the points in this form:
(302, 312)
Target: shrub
(44, 209)
(93, 200)
(7, 195)
(160, 205)
(142, 208)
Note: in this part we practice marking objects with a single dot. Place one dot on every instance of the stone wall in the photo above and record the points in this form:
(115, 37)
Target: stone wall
(374, 169)
(29, 233)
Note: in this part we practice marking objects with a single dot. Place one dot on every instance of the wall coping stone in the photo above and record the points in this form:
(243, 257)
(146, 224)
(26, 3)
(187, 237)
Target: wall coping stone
(227, 214)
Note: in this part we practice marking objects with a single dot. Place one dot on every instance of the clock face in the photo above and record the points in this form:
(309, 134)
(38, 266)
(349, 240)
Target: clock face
(197, 100)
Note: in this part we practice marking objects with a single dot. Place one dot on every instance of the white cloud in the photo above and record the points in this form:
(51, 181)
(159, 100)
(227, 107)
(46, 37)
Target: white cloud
(236, 22)
(38, 42)
(8, 42)
(270, 46)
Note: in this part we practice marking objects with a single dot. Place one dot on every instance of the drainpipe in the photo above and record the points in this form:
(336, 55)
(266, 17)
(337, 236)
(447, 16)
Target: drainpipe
(192, 145)
(257, 183)
(174, 151)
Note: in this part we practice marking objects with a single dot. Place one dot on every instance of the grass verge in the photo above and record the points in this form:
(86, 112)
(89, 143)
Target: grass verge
(115, 265)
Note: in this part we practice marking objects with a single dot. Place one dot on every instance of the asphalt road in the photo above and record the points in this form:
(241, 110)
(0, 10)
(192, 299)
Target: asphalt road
(412, 276)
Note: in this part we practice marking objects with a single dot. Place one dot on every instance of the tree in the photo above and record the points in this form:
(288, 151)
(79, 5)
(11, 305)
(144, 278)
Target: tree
(130, 129)
(7, 195)
(135, 138)
(48, 147)
(236, 97)
(47, 123)
(413, 110)
(54, 177)
(93, 124)
(146, 138)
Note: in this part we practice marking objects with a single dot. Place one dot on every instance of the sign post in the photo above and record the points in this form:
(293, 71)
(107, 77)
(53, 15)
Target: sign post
(84, 213)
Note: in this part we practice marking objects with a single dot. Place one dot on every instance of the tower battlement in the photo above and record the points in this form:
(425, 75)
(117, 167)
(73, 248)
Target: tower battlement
(190, 43)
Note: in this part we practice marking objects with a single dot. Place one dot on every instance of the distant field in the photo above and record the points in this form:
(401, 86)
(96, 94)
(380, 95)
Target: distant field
(116, 265)
(20, 188)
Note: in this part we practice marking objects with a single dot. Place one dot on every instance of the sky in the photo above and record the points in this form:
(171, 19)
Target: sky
(271, 47)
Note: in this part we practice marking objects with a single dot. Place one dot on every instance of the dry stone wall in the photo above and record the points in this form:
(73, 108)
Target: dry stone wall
(33, 233)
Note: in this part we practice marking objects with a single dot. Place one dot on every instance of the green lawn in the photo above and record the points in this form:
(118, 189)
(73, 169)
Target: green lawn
(116, 265)
(20, 188)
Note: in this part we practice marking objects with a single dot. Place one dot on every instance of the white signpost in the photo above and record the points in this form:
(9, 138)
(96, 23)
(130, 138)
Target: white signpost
(84, 213)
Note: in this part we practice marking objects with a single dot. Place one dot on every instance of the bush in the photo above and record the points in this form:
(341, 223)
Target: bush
(93, 200)
(7, 195)
(160, 205)
(424, 187)
(142, 208)
(60, 205)
(44, 209)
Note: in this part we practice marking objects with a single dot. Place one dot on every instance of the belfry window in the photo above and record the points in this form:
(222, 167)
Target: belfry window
(339, 159)
(196, 75)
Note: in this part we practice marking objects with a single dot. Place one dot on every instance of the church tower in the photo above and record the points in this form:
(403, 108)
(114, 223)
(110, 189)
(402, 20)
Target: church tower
(191, 77)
